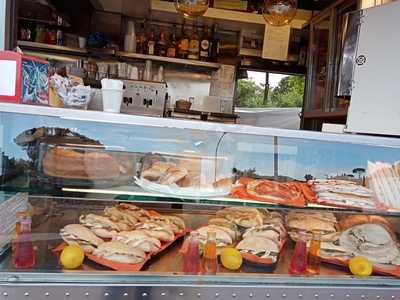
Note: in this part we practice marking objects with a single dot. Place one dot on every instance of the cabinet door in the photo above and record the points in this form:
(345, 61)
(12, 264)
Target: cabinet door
(338, 104)
(319, 64)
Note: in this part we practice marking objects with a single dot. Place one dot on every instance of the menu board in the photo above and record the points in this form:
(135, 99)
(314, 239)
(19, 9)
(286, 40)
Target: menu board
(276, 42)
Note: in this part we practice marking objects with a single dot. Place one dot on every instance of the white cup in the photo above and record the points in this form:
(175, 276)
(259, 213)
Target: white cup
(112, 100)
(82, 42)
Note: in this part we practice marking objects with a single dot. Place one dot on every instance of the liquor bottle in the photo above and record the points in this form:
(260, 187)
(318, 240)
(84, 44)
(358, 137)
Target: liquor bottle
(161, 46)
(214, 44)
(191, 263)
(209, 261)
(313, 258)
(194, 45)
(141, 45)
(298, 263)
(23, 255)
(205, 45)
(171, 51)
(183, 47)
(151, 43)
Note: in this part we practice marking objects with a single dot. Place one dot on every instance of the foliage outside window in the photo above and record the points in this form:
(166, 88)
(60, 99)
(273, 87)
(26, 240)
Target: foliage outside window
(288, 93)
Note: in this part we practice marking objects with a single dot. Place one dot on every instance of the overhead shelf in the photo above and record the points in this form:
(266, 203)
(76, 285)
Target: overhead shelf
(51, 48)
(120, 54)
(195, 63)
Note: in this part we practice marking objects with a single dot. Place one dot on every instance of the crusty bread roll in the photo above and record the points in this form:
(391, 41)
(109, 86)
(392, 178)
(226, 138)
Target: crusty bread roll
(65, 163)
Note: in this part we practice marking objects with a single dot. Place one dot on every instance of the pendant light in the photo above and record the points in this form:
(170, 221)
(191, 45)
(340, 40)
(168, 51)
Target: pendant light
(191, 8)
(279, 12)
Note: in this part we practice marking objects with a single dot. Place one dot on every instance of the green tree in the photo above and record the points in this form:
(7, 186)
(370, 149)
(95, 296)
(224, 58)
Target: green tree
(249, 94)
(288, 93)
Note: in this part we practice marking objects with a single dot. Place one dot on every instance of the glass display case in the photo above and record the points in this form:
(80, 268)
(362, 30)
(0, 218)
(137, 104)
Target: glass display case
(128, 190)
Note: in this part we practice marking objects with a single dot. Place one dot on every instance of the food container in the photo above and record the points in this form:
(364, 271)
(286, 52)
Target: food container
(183, 104)
(112, 91)
(112, 100)
(186, 175)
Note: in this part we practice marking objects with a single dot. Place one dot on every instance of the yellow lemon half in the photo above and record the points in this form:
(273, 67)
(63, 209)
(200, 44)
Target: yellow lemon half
(72, 257)
(231, 258)
(360, 266)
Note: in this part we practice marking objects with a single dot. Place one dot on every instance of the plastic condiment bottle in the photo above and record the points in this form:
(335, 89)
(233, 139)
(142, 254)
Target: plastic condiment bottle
(209, 261)
(191, 263)
(298, 263)
(313, 258)
(23, 255)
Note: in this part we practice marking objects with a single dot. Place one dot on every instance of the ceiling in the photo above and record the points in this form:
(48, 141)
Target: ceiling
(140, 8)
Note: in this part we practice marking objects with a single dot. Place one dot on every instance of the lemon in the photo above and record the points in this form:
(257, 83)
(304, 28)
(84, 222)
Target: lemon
(72, 257)
(231, 258)
(360, 266)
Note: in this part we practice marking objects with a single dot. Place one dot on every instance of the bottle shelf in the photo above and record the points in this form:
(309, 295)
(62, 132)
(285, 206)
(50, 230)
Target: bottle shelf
(52, 48)
(118, 54)
(188, 62)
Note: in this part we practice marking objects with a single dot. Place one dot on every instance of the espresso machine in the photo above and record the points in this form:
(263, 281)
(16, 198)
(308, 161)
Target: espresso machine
(145, 98)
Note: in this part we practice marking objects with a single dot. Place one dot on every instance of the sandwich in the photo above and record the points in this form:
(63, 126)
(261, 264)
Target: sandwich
(260, 247)
(156, 170)
(76, 234)
(222, 238)
(244, 217)
(230, 227)
(157, 230)
(120, 252)
(135, 211)
(101, 226)
(173, 175)
(138, 239)
(118, 215)
(371, 237)
(175, 224)
(325, 223)
(272, 232)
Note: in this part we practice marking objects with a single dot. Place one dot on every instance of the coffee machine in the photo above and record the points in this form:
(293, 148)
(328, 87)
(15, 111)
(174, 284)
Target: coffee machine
(145, 98)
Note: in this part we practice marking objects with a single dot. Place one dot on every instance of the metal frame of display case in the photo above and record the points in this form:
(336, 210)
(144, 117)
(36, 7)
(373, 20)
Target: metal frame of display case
(109, 285)
(104, 117)
(193, 287)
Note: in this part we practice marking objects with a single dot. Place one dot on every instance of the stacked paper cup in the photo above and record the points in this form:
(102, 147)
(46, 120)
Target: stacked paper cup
(112, 92)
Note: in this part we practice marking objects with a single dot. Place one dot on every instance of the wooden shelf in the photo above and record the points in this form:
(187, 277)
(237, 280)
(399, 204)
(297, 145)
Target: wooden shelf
(195, 63)
(51, 48)
(120, 54)
(328, 114)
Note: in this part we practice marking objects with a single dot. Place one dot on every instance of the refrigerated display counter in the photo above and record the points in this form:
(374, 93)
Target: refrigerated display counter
(128, 190)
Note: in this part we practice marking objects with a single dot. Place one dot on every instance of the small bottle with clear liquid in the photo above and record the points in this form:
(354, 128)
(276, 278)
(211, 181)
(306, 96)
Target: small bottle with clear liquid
(209, 261)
